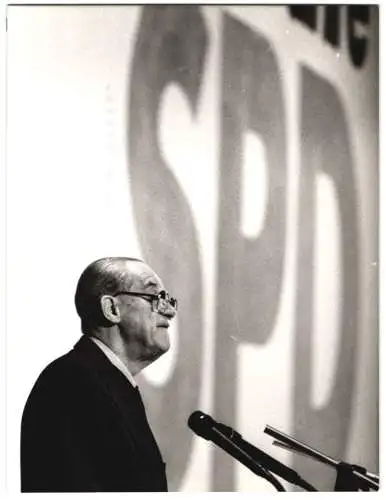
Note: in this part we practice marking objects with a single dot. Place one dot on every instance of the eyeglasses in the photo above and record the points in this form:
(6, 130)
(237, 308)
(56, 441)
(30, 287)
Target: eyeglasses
(160, 302)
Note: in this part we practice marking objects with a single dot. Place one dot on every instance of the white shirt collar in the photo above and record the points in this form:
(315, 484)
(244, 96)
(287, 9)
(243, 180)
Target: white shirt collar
(115, 360)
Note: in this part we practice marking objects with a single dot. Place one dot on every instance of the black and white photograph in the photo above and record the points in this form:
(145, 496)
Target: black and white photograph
(192, 247)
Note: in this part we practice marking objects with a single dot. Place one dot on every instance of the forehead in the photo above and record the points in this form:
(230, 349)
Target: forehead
(142, 275)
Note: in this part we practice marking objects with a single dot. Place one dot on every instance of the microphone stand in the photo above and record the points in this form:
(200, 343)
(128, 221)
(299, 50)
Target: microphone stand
(350, 477)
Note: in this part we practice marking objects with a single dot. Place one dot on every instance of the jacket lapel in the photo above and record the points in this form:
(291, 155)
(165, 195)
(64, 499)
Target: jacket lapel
(122, 395)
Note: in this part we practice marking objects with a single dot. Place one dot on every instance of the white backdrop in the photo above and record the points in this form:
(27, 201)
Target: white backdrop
(70, 186)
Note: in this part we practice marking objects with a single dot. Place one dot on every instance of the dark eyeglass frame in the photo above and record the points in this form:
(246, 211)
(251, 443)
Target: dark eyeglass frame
(154, 298)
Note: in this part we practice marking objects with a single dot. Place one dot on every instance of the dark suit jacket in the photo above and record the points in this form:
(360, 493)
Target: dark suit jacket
(84, 428)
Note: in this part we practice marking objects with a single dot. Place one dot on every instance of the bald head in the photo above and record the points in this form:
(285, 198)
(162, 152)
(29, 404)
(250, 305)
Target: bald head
(102, 277)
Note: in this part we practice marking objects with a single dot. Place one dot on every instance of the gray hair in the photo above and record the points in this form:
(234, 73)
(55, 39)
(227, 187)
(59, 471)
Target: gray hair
(102, 277)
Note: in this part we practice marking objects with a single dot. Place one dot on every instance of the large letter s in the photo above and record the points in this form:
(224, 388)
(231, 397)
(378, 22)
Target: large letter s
(170, 47)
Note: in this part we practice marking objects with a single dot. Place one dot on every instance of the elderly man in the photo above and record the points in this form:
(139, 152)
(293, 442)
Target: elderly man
(84, 426)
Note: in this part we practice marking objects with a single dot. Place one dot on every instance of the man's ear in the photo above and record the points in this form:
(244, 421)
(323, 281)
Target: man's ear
(110, 309)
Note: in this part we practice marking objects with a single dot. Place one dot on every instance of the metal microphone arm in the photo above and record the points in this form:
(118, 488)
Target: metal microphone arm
(295, 445)
(360, 476)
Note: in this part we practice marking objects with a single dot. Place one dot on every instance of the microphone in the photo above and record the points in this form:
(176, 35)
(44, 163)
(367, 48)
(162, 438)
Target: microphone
(348, 475)
(220, 434)
(232, 442)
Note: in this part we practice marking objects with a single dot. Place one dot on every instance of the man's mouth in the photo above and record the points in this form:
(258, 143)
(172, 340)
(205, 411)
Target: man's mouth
(164, 324)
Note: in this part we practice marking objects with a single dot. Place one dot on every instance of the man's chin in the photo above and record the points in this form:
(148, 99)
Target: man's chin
(164, 346)
(163, 340)
(161, 347)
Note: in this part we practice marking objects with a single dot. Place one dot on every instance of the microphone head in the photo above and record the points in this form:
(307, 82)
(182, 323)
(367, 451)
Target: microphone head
(201, 424)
